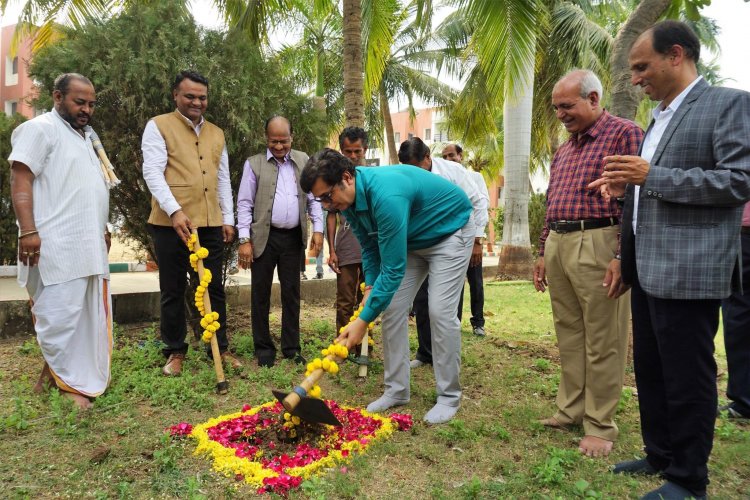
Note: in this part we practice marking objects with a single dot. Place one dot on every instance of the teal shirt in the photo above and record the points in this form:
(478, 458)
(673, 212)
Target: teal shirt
(397, 209)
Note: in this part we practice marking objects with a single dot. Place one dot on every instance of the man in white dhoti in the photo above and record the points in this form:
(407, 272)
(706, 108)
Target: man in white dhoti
(61, 201)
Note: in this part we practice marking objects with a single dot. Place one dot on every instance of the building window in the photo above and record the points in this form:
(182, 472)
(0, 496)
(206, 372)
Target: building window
(11, 107)
(428, 134)
(411, 136)
(11, 71)
(397, 137)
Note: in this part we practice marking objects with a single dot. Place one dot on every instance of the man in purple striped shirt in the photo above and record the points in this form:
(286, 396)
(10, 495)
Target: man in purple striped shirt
(579, 256)
(272, 223)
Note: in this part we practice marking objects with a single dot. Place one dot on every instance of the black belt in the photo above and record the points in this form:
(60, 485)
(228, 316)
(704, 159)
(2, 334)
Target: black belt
(745, 229)
(569, 226)
(285, 229)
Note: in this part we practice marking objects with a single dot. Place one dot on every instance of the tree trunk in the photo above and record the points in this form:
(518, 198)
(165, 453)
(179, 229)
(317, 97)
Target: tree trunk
(385, 110)
(319, 100)
(515, 256)
(625, 97)
(354, 102)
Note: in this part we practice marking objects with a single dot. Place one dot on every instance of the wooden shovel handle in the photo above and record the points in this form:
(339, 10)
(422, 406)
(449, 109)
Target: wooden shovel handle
(364, 353)
(293, 398)
(221, 381)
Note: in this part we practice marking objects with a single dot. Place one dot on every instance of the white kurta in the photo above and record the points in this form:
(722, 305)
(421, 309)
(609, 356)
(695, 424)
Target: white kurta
(71, 199)
(69, 287)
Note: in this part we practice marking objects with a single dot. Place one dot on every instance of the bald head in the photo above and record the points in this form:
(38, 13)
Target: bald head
(277, 123)
(576, 100)
(585, 80)
(279, 137)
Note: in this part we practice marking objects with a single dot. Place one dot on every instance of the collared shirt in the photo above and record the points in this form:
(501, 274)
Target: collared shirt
(578, 162)
(346, 244)
(398, 209)
(71, 199)
(155, 163)
(483, 192)
(662, 117)
(285, 212)
(459, 176)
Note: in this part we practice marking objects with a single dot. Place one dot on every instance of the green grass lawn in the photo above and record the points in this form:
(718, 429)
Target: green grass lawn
(493, 449)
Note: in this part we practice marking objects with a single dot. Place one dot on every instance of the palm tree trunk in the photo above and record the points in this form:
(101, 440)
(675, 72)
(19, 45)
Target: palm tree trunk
(354, 102)
(319, 101)
(515, 255)
(385, 110)
(625, 97)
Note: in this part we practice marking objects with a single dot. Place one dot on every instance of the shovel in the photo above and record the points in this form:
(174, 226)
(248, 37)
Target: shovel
(222, 386)
(309, 409)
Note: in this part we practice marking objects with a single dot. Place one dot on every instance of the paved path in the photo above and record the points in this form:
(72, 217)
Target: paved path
(145, 281)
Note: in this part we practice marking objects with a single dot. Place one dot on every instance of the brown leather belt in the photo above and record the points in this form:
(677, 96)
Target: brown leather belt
(569, 226)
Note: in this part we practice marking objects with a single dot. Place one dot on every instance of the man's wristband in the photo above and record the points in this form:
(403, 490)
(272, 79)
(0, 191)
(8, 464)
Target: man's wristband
(618, 256)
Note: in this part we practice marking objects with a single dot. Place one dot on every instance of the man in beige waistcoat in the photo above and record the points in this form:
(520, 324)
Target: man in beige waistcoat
(186, 168)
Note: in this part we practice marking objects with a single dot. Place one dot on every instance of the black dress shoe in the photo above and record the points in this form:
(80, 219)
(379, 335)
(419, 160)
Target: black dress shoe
(733, 412)
(298, 359)
(640, 466)
(672, 491)
(266, 362)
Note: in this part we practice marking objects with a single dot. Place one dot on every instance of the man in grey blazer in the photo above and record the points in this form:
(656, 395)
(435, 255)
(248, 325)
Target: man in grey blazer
(680, 249)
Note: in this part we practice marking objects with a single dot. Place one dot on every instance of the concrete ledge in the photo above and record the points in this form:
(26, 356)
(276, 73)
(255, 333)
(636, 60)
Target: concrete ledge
(15, 315)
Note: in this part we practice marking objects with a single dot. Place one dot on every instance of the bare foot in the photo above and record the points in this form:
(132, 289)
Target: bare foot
(82, 402)
(552, 422)
(594, 447)
(45, 380)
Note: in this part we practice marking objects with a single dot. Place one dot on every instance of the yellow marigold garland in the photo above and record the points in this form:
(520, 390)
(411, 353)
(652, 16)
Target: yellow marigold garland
(209, 321)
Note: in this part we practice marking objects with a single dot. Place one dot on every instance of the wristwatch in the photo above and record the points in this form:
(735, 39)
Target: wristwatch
(245, 240)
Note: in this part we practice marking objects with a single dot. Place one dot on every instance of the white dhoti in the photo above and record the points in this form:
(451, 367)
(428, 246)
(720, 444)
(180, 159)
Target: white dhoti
(73, 323)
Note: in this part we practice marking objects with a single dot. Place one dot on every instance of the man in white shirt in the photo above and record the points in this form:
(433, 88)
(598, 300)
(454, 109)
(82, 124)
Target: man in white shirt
(415, 152)
(61, 201)
(454, 153)
(186, 168)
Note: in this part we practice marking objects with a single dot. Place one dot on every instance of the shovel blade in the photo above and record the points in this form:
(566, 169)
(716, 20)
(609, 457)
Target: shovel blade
(311, 410)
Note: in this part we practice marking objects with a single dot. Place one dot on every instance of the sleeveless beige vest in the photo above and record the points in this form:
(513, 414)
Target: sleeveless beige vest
(192, 170)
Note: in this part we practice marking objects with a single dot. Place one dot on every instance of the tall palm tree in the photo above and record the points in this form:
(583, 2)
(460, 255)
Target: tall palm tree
(313, 63)
(404, 70)
(354, 101)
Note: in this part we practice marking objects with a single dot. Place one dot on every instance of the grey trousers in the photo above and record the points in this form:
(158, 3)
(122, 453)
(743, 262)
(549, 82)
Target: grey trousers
(445, 264)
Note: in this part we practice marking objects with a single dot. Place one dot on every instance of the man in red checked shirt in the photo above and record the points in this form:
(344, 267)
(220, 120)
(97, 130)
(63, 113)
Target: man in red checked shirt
(579, 261)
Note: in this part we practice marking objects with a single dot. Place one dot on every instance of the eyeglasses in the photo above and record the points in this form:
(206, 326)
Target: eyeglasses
(567, 106)
(326, 197)
(281, 142)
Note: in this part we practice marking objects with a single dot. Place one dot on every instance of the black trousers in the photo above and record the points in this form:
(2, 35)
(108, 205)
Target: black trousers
(422, 311)
(282, 253)
(675, 372)
(736, 315)
(476, 294)
(172, 256)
